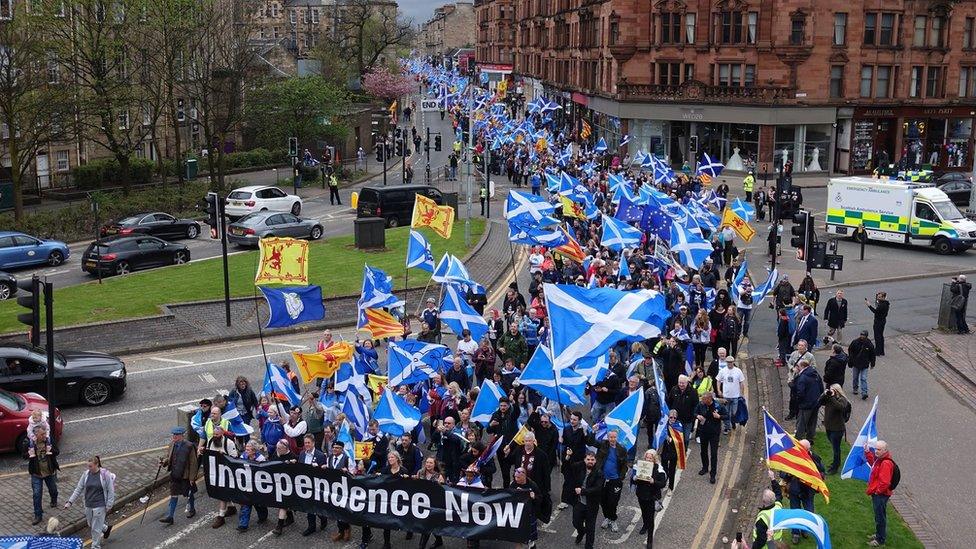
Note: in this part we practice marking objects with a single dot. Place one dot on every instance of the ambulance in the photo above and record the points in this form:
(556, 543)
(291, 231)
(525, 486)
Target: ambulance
(897, 211)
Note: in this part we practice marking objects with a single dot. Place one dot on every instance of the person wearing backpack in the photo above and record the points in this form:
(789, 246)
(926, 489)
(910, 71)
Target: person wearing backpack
(861, 357)
(837, 412)
(884, 478)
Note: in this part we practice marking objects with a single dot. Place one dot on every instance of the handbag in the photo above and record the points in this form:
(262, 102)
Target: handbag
(712, 335)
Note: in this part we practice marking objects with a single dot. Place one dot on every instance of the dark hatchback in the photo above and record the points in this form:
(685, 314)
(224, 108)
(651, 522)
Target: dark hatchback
(79, 376)
(156, 224)
(122, 255)
(394, 204)
(8, 285)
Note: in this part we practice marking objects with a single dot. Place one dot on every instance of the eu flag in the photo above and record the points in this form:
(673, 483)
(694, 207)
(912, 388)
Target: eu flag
(627, 211)
(292, 305)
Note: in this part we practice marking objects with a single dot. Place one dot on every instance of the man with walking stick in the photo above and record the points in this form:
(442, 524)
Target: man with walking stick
(182, 463)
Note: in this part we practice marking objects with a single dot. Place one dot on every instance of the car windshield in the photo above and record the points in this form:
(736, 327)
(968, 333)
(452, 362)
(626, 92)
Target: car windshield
(947, 210)
(131, 220)
(11, 401)
(239, 195)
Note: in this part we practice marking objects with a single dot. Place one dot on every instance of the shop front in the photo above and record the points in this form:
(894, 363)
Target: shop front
(937, 138)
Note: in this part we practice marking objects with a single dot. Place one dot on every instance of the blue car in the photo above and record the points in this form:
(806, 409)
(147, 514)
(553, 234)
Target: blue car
(21, 250)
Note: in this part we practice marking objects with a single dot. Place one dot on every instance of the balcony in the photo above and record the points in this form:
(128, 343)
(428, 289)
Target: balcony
(693, 91)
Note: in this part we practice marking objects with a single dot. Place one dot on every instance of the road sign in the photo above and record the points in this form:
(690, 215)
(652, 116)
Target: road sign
(429, 105)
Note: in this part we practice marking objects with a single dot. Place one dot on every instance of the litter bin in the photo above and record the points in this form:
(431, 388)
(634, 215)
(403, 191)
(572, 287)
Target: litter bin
(370, 232)
(191, 169)
(451, 199)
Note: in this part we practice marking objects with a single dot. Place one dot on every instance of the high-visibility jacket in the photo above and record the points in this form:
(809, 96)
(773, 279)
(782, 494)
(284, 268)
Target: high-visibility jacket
(748, 183)
(766, 517)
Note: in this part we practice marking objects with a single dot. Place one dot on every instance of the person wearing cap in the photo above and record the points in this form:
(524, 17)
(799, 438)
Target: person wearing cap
(748, 184)
(959, 289)
(198, 420)
(338, 460)
(181, 462)
(221, 443)
(522, 483)
(432, 318)
(861, 357)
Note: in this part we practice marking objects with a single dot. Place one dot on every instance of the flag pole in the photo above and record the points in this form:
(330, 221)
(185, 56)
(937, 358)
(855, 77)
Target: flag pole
(511, 249)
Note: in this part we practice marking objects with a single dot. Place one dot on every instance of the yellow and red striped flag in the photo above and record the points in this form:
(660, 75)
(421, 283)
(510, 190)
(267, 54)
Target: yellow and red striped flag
(586, 130)
(679, 445)
(784, 453)
(570, 250)
(382, 324)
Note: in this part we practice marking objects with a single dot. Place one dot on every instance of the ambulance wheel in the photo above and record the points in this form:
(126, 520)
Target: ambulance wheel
(942, 246)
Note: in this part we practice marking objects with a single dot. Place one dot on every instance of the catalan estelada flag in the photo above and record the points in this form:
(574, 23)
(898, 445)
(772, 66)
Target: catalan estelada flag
(382, 324)
(283, 261)
(678, 437)
(739, 225)
(784, 453)
(426, 213)
(705, 179)
(323, 363)
(572, 249)
(585, 130)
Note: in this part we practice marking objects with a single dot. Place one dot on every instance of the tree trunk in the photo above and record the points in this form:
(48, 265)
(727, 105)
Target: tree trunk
(125, 170)
(16, 178)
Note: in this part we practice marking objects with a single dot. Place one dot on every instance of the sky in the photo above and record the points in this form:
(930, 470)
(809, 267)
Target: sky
(420, 10)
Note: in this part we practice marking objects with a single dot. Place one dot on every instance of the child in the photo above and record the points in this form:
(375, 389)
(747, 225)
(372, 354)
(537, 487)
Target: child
(37, 417)
(264, 404)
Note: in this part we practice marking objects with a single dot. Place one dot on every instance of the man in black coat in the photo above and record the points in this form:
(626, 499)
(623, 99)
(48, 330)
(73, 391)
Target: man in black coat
(960, 298)
(504, 423)
(588, 482)
(683, 398)
(861, 357)
(880, 310)
(546, 434)
(710, 415)
(450, 446)
(836, 316)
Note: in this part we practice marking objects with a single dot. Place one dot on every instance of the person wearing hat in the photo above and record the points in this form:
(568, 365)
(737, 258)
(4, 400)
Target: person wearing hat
(338, 460)
(748, 184)
(432, 318)
(181, 462)
(221, 443)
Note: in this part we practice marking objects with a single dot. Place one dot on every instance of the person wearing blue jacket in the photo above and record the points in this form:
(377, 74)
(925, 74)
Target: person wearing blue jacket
(806, 327)
(809, 386)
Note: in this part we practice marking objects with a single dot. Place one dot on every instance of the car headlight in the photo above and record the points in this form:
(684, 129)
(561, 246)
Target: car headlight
(118, 373)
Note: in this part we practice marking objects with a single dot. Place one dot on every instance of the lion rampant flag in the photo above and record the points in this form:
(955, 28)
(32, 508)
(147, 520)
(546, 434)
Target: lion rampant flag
(571, 208)
(426, 213)
(739, 225)
(323, 363)
(382, 324)
(283, 261)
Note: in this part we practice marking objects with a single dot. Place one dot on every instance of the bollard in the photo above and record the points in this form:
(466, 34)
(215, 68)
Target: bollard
(354, 200)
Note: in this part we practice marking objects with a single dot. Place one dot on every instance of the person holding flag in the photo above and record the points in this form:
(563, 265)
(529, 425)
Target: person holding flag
(674, 451)
(611, 458)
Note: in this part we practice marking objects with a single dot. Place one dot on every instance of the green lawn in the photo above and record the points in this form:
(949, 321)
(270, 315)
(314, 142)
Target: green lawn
(335, 264)
(849, 515)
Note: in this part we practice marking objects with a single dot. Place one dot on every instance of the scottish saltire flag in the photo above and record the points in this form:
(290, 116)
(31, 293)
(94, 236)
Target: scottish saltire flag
(760, 292)
(624, 140)
(625, 419)
(785, 454)
(529, 210)
(588, 322)
(689, 359)
(237, 425)
(710, 294)
(351, 377)
(624, 271)
(601, 146)
(458, 315)
(661, 432)
(709, 166)
(293, 305)
(594, 369)
(740, 275)
(562, 385)
(618, 235)
(550, 238)
(800, 519)
(348, 440)
(615, 181)
(357, 410)
(412, 361)
(487, 402)
(395, 415)
(553, 181)
(713, 199)
(743, 209)
(451, 270)
(419, 255)
(855, 466)
(377, 292)
(35, 542)
(276, 385)
(692, 249)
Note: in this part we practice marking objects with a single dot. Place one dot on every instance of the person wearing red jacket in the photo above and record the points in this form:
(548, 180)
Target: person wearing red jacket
(879, 488)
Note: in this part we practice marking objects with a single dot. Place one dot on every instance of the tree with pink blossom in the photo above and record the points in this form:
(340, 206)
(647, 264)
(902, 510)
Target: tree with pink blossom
(382, 83)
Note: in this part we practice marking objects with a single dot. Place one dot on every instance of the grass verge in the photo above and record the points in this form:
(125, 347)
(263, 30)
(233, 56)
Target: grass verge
(334, 264)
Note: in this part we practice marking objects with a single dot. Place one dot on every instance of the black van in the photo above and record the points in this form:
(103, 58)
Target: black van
(394, 204)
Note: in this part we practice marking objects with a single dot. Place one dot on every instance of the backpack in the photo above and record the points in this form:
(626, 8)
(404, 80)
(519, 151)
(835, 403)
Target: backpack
(895, 476)
(847, 412)
(727, 328)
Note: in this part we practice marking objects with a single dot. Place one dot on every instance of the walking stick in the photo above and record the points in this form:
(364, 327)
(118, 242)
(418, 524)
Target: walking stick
(150, 493)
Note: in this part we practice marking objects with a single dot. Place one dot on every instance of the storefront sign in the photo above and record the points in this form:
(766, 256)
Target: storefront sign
(692, 114)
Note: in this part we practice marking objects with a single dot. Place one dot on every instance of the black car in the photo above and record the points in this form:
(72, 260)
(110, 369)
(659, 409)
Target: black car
(394, 204)
(957, 187)
(8, 285)
(83, 377)
(159, 224)
(122, 255)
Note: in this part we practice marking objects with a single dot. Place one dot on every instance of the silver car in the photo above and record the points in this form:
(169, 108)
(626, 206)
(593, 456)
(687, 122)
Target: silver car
(247, 230)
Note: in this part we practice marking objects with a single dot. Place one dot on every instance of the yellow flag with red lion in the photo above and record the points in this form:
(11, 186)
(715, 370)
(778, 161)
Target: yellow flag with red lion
(426, 213)
(283, 261)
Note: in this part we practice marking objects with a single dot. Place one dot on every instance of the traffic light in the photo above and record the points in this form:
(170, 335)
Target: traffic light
(379, 152)
(437, 143)
(293, 147)
(693, 143)
(399, 147)
(802, 232)
(30, 298)
(214, 219)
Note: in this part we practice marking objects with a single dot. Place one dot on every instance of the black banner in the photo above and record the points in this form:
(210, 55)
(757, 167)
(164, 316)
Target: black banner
(379, 501)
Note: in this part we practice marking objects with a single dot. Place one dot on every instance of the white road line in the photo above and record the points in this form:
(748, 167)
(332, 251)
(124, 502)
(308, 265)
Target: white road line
(173, 360)
(289, 345)
(552, 519)
(128, 412)
(260, 540)
(208, 378)
(177, 537)
(219, 361)
(630, 527)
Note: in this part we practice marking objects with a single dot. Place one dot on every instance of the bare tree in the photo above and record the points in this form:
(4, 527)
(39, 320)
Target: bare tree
(368, 29)
(35, 105)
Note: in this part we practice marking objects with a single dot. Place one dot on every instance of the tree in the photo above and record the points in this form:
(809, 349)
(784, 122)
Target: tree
(306, 107)
(382, 83)
(34, 104)
(368, 29)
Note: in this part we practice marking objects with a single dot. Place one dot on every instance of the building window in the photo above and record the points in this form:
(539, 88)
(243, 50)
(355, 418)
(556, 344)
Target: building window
(870, 27)
(882, 86)
(274, 10)
(750, 77)
(840, 29)
(967, 33)
(690, 28)
(689, 71)
(933, 82)
(966, 77)
(275, 33)
(921, 22)
(731, 27)
(61, 162)
(837, 81)
(915, 83)
(53, 71)
(867, 74)
(124, 121)
(797, 26)
(614, 34)
(753, 27)
(669, 74)
(6, 9)
(937, 36)
(315, 16)
(293, 17)
(887, 34)
(670, 28)
(731, 75)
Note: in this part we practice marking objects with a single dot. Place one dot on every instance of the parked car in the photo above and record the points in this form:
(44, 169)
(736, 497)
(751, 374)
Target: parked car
(21, 250)
(957, 188)
(122, 255)
(15, 411)
(245, 200)
(159, 224)
(247, 230)
(79, 376)
(8, 285)
(394, 204)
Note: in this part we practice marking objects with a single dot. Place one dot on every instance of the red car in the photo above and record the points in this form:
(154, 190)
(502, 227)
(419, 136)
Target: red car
(15, 411)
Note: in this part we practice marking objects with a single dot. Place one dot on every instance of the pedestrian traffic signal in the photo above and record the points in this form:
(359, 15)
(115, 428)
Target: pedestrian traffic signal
(214, 219)
(437, 143)
(399, 147)
(293, 147)
(802, 232)
(30, 298)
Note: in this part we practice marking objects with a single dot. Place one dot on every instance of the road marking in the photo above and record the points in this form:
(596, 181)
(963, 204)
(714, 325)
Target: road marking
(630, 527)
(552, 519)
(128, 412)
(260, 540)
(208, 378)
(172, 360)
(192, 364)
(176, 538)
(289, 345)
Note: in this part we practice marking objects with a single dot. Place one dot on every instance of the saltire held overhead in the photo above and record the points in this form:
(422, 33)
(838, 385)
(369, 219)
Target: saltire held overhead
(529, 210)
(618, 235)
(459, 315)
(277, 385)
(562, 385)
(692, 249)
(419, 255)
(394, 415)
(487, 402)
(412, 361)
(710, 167)
(626, 419)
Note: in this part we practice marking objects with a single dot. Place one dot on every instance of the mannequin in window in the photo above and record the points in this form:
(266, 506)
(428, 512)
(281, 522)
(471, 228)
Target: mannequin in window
(814, 165)
(734, 162)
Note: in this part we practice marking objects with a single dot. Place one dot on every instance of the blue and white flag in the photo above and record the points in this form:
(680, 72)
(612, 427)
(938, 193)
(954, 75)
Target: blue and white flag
(40, 542)
(692, 249)
(628, 210)
(624, 140)
(419, 255)
(459, 316)
(709, 166)
(348, 440)
(855, 466)
(357, 410)
(594, 369)
(800, 519)
(626, 419)
(601, 146)
(529, 210)
(490, 451)
(588, 322)
(292, 305)
(412, 361)
(351, 377)
(450, 270)
(689, 359)
(715, 200)
(276, 384)
(624, 272)
(744, 209)
(395, 415)
(487, 402)
(760, 292)
(237, 426)
(618, 235)
(377, 293)
(661, 432)
(740, 275)
(562, 385)
(550, 238)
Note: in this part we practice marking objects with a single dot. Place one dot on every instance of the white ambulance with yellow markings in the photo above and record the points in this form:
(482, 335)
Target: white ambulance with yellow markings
(897, 211)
